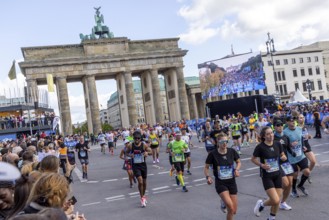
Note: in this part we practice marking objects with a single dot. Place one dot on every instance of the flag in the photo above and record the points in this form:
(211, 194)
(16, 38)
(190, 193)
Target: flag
(12, 72)
(50, 83)
(55, 122)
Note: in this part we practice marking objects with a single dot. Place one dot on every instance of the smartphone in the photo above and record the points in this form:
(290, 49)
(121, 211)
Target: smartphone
(73, 200)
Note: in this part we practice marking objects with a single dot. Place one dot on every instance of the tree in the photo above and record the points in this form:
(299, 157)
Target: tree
(106, 127)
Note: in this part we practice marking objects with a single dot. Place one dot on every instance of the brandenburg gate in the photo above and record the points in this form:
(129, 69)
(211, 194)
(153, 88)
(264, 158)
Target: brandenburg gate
(117, 58)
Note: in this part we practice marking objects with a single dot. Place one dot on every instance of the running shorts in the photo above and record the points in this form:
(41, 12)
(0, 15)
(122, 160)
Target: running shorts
(179, 166)
(222, 186)
(272, 182)
(303, 164)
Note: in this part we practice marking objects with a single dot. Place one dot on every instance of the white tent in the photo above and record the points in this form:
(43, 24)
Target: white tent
(298, 97)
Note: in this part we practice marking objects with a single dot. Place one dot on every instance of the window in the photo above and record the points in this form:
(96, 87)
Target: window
(281, 90)
(319, 84)
(293, 60)
(308, 59)
(265, 91)
(321, 97)
(316, 59)
(296, 85)
(317, 70)
(277, 62)
(312, 86)
(304, 87)
(279, 75)
(301, 60)
(294, 72)
(283, 76)
(257, 92)
(310, 72)
(275, 77)
(269, 63)
(302, 72)
(285, 89)
(285, 61)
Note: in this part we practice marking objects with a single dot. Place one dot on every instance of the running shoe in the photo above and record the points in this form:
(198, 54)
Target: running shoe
(177, 180)
(285, 206)
(309, 180)
(184, 189)
(223, 206)
(258, 207)
(145, 199)
(294, 193)
(131, 185)
(153, 161)
(143, 204)
(303, 190)
(170, 172)
(158, 161)
(189, 173)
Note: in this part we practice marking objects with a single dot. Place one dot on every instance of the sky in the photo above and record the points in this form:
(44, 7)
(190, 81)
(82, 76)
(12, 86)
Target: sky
(207, 29)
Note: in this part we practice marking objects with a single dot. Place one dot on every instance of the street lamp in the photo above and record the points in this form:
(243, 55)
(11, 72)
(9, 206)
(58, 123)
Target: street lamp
(270, 50)
(309, 88)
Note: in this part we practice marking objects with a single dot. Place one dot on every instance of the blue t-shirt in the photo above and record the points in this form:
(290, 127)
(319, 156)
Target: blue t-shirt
(295, 135)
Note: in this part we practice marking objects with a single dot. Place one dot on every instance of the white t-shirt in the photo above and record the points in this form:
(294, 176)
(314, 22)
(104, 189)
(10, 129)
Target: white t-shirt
(186, 138)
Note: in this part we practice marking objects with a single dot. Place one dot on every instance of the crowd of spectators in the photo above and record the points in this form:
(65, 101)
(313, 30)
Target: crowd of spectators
(20, 121)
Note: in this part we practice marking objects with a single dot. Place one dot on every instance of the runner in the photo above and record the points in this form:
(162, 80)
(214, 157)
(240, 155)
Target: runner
(244, 133)
(178, 148)
(266, 156)
(127, 165)
(297, 157)
(110, 140)
(154, 146)
(222, 160)
(235, 128)
(159, 131)
(285, 167)
(138, 153)
(206, 138)
(82, 148)
(172, 169)
(252, 122)
(185, 137)
(306, 136)
(101, 139)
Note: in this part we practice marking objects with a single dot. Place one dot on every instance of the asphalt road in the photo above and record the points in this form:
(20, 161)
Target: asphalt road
(107, 195)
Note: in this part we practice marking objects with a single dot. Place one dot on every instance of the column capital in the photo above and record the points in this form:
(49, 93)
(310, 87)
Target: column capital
(61, 77)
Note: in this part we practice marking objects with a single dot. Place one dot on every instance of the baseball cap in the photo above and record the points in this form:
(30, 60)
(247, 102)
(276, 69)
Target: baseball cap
(8, 172)
(278, 122)
(178, 133)
(127, 141)
(290, 118)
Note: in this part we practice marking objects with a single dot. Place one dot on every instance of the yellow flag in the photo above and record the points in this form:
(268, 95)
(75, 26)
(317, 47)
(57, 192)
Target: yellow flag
(12, 72)
(50, 83)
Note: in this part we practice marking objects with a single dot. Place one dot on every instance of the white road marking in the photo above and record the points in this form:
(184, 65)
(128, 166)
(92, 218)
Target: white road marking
(167, 190)
(326, 152)
(198, 180)
(201, 184)
(125, 178)
(250, 175)
(134, 196)
(253, 168)
(151, 174)
(323, 161)
(198, 167)
(161, 187)
(317, 154)
(163, 172)
(78, 173)
(112, 200)
(93, 203)
(134, 193)
(93, 181)
(114, 197)
(245, 159)
(112, 180)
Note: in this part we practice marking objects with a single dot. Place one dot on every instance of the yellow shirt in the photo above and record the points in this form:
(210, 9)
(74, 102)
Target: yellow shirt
(153, 138)
(252, 123)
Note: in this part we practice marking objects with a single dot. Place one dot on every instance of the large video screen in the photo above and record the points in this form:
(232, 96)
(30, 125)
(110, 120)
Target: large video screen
(234, 74)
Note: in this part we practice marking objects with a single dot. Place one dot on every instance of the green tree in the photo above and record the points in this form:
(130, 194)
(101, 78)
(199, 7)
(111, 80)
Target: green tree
(106, 127)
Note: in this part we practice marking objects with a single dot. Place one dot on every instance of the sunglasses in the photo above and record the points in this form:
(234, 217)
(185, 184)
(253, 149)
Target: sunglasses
(279, 125)
(137, 138)
(223, 141)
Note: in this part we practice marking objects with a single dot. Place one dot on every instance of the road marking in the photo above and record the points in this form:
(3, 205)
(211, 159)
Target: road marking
(134, 193)
(161, 187)
(245, 159)
(167, 190)
(78, 173)
(317, 154)
(201, 184)
(112, 180)
(114, 197)
(323, 161)
(134, 196)
(151, 174)
(112, 200)
(326, 152)
(253, 168)
(198, 167)
(250, 175)
(93, 203)
(198, 180)
(125, 178)
(164, 172)
(156, 166)
(93, 181)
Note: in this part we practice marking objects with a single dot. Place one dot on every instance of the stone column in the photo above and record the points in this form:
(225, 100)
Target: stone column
(32, 91)
(87, 104)
(156, 96)
(182, 94)
(94, 106)
(64, 105)
(195, 108)
(130, 99)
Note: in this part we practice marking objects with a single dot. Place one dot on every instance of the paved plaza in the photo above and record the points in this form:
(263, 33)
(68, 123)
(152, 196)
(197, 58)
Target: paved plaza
(107, 194)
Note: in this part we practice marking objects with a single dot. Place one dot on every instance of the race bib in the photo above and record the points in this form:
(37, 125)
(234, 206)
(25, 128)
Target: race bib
(178, 158)
(209, 142)
(273, 163)
(236, 133)
(154, 141)
(297, 150)
(225, 172)
(287, 168)
(82, 153)
(138, 158)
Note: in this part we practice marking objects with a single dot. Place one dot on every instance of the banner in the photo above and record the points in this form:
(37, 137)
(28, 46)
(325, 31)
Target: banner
(55, 122)
(12, 72)
(50, 83)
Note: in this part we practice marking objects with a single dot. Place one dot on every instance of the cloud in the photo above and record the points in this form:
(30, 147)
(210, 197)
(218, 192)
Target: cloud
(291, 22)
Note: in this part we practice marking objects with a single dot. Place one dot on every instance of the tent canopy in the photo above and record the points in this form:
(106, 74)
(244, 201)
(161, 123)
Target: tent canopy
(298, 97)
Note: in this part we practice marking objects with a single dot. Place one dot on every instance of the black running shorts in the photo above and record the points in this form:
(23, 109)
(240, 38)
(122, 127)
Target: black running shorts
(221, 187)
(303, 164)
(272, 182)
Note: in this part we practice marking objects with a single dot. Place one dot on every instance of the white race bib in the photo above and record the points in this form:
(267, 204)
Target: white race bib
(138, 158)
(287, 168)
(273, 163)
(225, 172)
